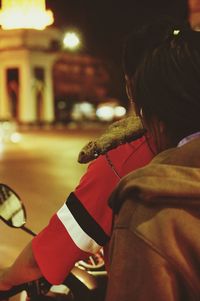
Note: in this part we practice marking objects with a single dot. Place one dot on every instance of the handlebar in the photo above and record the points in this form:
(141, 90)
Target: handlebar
(12, 292)
(78, 281)
(33, 288)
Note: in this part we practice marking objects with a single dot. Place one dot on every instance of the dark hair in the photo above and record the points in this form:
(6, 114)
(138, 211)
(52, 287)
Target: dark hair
(166, 81)
(146, 37)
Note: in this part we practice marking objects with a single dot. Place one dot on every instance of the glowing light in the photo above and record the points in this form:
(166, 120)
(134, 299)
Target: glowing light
(83, 111)
(15, 138)
(71, 40)
(120, 111)
(25, 14)
(176, 32)
(110, 111)
(105, 113)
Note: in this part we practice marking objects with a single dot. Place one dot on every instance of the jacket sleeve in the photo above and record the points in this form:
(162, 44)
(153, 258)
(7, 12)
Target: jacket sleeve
(80, 227)
(83, 224)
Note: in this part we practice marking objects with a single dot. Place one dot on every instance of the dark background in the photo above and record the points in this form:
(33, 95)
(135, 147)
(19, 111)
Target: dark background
(104, 24)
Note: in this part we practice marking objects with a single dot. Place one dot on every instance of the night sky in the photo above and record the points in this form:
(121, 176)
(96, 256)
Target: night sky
(105, 23)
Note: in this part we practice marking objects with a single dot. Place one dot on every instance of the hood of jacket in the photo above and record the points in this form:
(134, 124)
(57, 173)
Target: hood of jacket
(171, 175)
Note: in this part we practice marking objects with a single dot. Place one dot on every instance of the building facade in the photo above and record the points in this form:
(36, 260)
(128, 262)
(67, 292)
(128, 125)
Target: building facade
(78, 78)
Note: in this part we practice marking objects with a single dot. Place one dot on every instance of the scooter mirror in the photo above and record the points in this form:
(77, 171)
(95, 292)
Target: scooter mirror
(12, 211)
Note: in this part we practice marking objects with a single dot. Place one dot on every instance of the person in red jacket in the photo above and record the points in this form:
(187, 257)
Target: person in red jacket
(82, 226)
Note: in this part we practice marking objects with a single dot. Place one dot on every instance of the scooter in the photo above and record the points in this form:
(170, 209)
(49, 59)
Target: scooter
(86, 281)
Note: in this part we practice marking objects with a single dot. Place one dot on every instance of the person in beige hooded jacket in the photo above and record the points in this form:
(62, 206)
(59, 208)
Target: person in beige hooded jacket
(155, 245)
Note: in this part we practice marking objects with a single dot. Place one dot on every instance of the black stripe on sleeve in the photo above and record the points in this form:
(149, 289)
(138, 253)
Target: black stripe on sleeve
(86, 221)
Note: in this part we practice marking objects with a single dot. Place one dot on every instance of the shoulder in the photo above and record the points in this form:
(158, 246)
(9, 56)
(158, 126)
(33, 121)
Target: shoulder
(131, 156)
(126, 149)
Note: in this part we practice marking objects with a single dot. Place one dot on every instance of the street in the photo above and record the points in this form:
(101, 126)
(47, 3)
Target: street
(42, 168)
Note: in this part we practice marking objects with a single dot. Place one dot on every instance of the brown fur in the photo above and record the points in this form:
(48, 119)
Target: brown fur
(120, 132)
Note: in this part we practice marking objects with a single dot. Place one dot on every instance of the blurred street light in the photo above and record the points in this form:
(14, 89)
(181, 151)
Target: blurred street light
(110, 111)
(25, 14)
(119, 111)
(71, 40)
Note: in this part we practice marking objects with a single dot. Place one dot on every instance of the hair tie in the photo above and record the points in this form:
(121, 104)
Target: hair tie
(176, 32)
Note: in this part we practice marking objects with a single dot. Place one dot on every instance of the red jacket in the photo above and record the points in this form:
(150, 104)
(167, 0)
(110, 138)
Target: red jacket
(83, 224)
